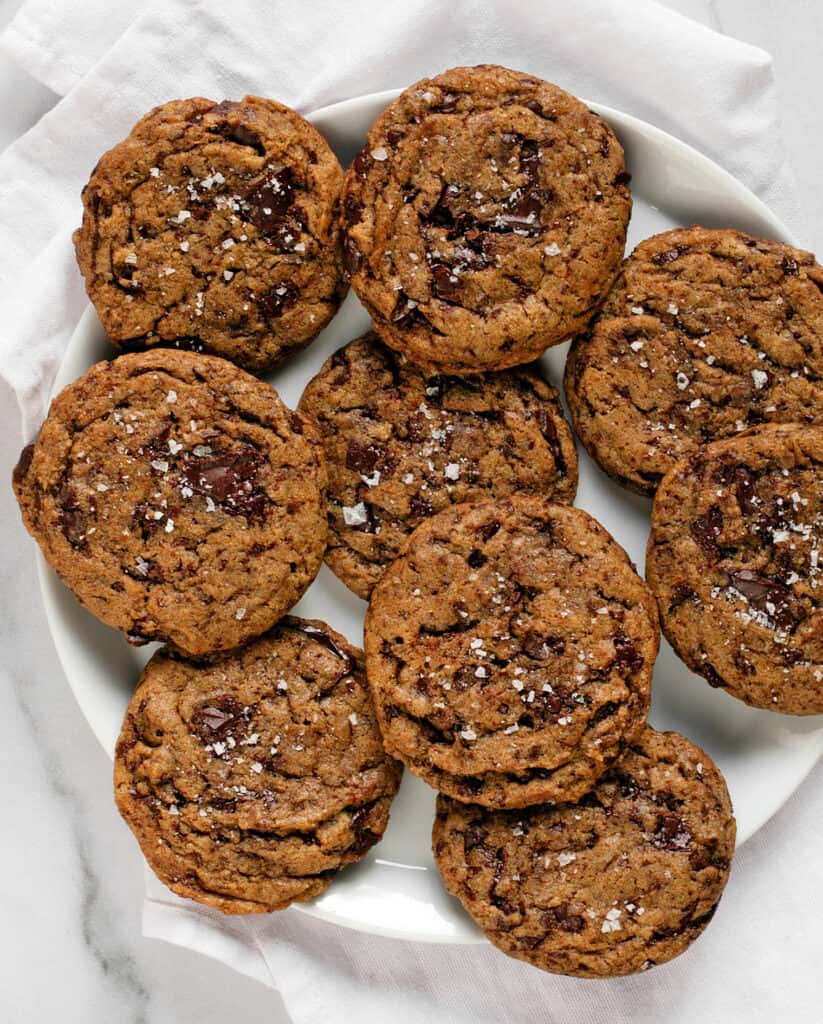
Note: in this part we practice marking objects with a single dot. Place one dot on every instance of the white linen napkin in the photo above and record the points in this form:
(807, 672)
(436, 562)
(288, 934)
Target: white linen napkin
(112, 65)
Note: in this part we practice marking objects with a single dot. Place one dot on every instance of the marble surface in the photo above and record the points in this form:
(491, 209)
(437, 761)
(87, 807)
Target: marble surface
(71, 877)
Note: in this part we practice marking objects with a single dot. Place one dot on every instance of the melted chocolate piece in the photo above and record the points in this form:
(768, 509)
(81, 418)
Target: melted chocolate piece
(705, 530)
(322, 638)
(405, 311)
(230, 479)
(539, 647)
(681, 592)
(352, 211)
(352, 257)
(143, 519)
(626, 654)
(220, 717)
(768, 596)
(662, 259)
(23, 463)
(549, 432)
(744, 489)
(559, 917)
(72, 519)
(362, 162)
(445, 283)
(364, 458)
(489, 530)
(473, 836)
(365, 838)
(418, 506)
(269, 205)
(274, 302)
(671, 833)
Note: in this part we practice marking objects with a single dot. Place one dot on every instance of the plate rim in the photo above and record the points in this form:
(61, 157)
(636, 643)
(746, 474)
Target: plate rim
(682, 151)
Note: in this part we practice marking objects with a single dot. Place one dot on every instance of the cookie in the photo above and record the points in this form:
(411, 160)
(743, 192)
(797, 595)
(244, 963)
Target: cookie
(178, 498)
(251, 778)
(705, 334)
(510, 651)
(734, 561)
(214, 226)
(401, 446)
(485, 219)
(626, 879)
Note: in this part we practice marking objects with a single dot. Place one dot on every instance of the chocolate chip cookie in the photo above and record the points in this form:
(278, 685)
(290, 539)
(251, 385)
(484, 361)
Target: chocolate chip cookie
(626, 879)
(705, 334)
(251, 778)
(401, 446)
(735, 562)
(214, 226)
(510, 651)
(485, 219)
(178, 498)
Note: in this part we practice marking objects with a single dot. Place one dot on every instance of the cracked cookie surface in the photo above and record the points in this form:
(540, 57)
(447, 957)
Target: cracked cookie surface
(510, 651)
(735, 562)
(485, 219)
(214, 226)
(251, 778)
(626, 879)
(401, 446)
(178, 498)
(705, 334)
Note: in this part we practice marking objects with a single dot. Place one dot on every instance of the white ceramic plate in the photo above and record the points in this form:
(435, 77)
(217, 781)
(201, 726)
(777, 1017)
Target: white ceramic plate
(396, 890)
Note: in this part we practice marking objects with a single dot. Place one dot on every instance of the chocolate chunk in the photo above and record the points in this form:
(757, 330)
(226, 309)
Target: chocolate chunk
(219, 718)
(445, 283)
(269, 206)
(541, 647)
(362, 162)
(530, 161)
(405, 310)
(790, 267)
(420, 507)
(622, 178)
(274, 302)
(671, 833)
(521, 213)
(705, 529)
(352, 211)
(681, 592)
(549, 432)
(662, 259)
(627, 655)
(352, 257)
(363, 458)
(365, 838)
(744, 488)
(72, 518)
(230, 479)
(772, 598)
(23, 463)
(488, 530)
(321, 637)
(473, 836)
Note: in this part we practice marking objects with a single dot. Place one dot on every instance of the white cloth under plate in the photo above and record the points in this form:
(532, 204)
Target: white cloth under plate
(111, 63)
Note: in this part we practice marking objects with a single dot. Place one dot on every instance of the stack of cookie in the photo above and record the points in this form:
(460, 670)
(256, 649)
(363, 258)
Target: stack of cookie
(510, 643)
